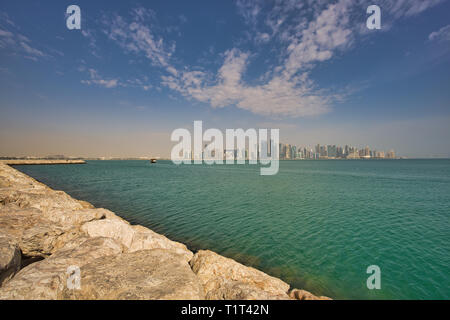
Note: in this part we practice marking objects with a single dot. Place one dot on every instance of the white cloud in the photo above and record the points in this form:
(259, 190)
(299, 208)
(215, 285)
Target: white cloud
(329, 31)
(89, 35)
(19, 43)
(286, 91)
(279, 96)
(95, 78)
(4, 33)
(249, 9)
(136, 36)
(442, 34)
(31, 51)
(305, 34)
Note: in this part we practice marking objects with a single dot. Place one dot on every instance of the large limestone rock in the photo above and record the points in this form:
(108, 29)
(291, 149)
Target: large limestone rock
(74, 218)
(144, 239)
(146, 274)
(224, 278)
(34, 234)
(46, 279)
(10, 258)
(134, 238)
(222, 289)
(41, 233)
(298, 294)
(43, 200)
(115, 229)
(26, 192)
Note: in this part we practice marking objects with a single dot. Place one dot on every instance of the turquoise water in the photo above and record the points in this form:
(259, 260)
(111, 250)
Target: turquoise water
(316, 224)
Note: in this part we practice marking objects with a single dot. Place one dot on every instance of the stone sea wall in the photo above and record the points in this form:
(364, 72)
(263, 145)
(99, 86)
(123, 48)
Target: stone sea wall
(38, 161)
(43, 232)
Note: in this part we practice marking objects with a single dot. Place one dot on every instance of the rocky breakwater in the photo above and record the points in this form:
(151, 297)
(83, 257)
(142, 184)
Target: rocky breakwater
(43, 232)
(42, 161)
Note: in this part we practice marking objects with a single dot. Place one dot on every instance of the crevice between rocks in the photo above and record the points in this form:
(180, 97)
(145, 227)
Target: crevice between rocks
(27, 260)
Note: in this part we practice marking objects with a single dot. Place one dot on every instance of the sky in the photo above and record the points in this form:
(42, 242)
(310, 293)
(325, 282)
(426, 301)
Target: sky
(137, 70)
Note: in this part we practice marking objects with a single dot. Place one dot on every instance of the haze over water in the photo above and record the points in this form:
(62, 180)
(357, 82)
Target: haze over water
(316, 224)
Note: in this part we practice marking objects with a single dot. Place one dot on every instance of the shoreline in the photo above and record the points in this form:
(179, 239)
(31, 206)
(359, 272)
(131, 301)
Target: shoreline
(43, 232)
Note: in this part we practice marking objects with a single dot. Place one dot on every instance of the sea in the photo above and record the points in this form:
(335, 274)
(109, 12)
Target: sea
(318, 225)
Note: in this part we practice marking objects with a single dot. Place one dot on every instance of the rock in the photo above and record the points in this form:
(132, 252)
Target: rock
(75, 217)
(147, 274)
(115, 229)
(219, 275)
(134, 238)
(144, 239)
(85, 204)
(107, 214)
(27, 192)
(10, 258)
(221, 289)
(30, 231)
(40, 239)
(42, 200)
(40, 234)
(47, 278)
(298, 294)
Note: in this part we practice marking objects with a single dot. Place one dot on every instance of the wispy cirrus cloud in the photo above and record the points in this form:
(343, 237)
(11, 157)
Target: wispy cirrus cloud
(89, 35)
(19, 44)
(441, 35)
(107, 82)
(136, 36)
(15, 42)
(96, 79)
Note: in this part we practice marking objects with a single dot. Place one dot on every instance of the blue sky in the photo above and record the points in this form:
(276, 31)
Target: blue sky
(139, 69)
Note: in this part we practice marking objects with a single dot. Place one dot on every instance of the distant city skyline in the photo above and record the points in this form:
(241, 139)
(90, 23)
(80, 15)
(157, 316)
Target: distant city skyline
(293, 152)
(137, 71)
(286, 152)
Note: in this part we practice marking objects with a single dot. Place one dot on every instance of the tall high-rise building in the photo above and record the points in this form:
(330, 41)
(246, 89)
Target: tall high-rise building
(331, 151)
(390, 154)
(282, 151)
(339, 152)
(288, 151)
(323, 151)
(366, 152)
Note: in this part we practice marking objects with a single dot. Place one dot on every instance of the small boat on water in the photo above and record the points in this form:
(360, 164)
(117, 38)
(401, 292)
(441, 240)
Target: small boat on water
(152, 160)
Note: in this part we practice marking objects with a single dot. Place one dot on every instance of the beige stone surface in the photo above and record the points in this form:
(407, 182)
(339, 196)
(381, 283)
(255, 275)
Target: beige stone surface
(41, 233)
(115, 229)
(223, 289)
(144, 239)
(216, 272)
(134, 238)
(299, 294)
(10, 258)
(146, 274)
(46, 279)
